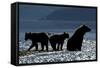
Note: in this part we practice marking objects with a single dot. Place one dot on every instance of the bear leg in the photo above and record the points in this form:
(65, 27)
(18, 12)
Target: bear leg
(42, 47)
(30, 47)
(61, 46)
(58, 47)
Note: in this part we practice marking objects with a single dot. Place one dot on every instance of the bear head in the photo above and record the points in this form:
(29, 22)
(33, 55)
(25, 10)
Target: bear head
(27, 36)
(85, 28)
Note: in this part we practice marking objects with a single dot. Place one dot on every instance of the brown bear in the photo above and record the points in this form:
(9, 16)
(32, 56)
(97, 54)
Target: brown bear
(75, 42)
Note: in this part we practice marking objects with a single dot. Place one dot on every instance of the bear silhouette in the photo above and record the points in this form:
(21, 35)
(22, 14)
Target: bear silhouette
(75, 42)
(37, 37)
(58, 40)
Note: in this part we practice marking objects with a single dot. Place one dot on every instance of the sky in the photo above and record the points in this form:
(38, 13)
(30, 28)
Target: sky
(52, 18)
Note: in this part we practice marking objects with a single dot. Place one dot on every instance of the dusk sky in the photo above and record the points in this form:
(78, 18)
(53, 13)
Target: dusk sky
(52, 18)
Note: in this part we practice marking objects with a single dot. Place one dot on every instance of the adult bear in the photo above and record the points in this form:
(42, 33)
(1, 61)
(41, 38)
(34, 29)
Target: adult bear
(37, 37)
(75, 42)
(58, 40)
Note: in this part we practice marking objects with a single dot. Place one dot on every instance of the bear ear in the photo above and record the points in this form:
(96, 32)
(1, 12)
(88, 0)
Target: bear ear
(29, 32)
(26, 33)
(83, 25)
(64, 33)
